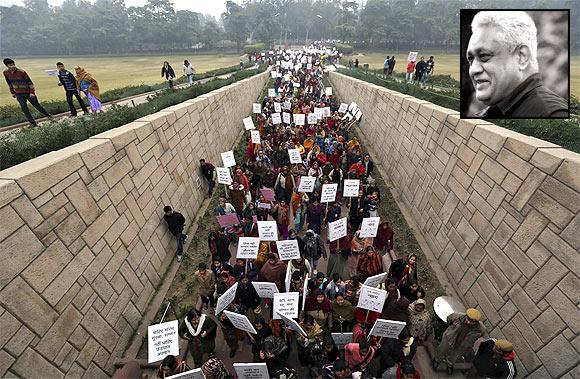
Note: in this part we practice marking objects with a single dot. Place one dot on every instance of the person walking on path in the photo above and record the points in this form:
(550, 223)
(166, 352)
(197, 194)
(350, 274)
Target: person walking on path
(386, 65)
(176, 222)
(392, 62)
(69, 82)
(22, 88)
(419, 70)
(88, 84)
(410, 69)
(168, 73)
(494, 359)
(189, 71)
(200, 331)
(429, 69)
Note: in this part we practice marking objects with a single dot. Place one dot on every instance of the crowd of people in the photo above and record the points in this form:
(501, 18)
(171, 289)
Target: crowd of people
(419, 72)
(330, 153)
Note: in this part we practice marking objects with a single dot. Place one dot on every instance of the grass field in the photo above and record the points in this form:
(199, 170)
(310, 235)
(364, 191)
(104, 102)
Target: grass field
(111, 72)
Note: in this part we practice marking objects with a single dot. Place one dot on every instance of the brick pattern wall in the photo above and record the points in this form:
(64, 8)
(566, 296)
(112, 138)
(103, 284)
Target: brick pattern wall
(82, 240)
(499, 210)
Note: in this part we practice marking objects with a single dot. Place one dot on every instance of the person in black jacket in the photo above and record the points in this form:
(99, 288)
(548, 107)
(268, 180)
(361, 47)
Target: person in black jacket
(392, 63)
(176, 222)
(69, 82)
(393, 352)
(494, 359)
(200, 330)
(168, 73)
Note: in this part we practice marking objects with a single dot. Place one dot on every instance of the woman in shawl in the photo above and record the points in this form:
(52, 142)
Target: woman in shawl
(314, 334)
(168, 73)
(282, 212)
(314, 216)
(200, 331)
(369, 263)
(421, 321)
(339, 252)
(358, 246)
(262, 331)
(214, 368)
(402, 270)
(412, 291)
(232, 335)
(218, 245)
(302, 266)
(273, 271)
(87, 84)
(342, 314)
(285, 184)
(319, 307)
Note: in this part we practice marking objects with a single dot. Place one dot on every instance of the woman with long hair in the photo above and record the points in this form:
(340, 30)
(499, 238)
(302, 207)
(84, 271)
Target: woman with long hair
(87, 84)
(168, 73)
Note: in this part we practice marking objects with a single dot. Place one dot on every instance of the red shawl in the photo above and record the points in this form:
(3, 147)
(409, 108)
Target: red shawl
(313, 305)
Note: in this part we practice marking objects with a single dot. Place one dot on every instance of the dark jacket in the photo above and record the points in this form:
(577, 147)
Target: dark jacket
(489, 365)
(391, 354)
(175, 222)
(396, 309)
(68, 81)
(167, 72)
(208, 326)
(247, 296)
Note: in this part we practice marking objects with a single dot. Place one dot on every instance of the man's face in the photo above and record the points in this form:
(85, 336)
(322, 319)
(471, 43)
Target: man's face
(169, 213)
(11, 66)
(61, 68)
(492, 68)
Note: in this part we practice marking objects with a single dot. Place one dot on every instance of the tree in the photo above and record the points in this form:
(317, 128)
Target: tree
(235, 23)
(211, 34)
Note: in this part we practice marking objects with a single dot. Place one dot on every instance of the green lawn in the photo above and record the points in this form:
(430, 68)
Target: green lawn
(112, 72)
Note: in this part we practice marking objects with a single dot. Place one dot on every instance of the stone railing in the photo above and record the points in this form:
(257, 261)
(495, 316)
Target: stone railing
(499, 210)
(82, 239)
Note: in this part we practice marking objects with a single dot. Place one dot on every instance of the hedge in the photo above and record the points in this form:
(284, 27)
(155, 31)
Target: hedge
(255, 48)
(11, 114)
(344, 48)
(565, 133)
(29, 143)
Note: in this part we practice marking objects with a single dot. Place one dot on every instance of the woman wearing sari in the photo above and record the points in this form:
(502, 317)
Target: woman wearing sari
(87, 84)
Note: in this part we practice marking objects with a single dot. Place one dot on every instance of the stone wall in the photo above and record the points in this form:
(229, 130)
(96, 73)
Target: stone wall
(499, 210)
(82, 240)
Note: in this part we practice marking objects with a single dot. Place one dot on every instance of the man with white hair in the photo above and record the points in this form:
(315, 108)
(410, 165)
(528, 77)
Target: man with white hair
(503, 66)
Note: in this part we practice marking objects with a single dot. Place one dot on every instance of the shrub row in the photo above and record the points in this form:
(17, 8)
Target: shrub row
(254, 49)
(11, 114)
(29, 143)
(343, 48)
(565, 133)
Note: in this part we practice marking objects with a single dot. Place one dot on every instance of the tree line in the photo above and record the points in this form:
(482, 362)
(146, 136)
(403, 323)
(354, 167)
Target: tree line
(109, 26)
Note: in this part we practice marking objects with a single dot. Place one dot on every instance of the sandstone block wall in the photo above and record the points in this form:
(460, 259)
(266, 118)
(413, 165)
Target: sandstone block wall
(500, 211)
(82, 240)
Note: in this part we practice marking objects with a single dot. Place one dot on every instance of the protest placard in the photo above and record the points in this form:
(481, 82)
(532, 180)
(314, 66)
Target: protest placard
(412, 56)
(251, 370)
(276, 119)
(248, 247)
(287, 77)
(268, 194)
(294, 155)
(306, 184)
(373, 281)
(352, 107)
(318, 112)
(277, 107)
(255, 136)
(292, 324)
(351, 187)
(326, 112)
(328, 91)
(337, 229)
(223, 175)
(191, 374)
(287, 105)
(343, 107)
(358, 115)
(264, 205)
(299, 118)
(288, 249)
(328, 194)
(268, 230)
(265, 289)
(286, 304)
(369, 227)
(162, 340)
(248, 123)
(287, 278)
(240, 322)
(257, 108)
(228, 220)
(304, 290)
(228, 159)
(224, 300)
(309, 66)
(312, 119)
(274, 74)
(271, 92)
(296, 84)
(387, 328)
(341, 339)
(372, 299)
(286, 117)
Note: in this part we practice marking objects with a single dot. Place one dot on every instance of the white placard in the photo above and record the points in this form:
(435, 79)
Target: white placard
(304, 291)
(162, 340)
(286, 117)
(257, 108)
(52, 73)
(306, 184)
(265, 289)
(328, 91)
(224, 300)
(223, 175)
(294, 155)
(292, 324)
(369, 227)
(337, 229)
(241, 322)
(318, 112)
(326, 112)
(387, 328)
(343, 107)
(299, 118)
(228, 159)
(248, 123)
(268, 230)
(351, 187)
(287, 77)
(328, 194)
(312, 119)
(251, 370)
(271, 92)
(264, 205)
(276, 119)
(277, 107)
(287, 104)
(248, 248)
(373, 281)
(341, 339)
(358, 115)
(274, 74)
(372, 299)
(309, 66)
(296, 85)
(288, 249)
(286, 304)
(352, 107)
(255, 136)
(191, 374)
(288, 278)
(412, 56)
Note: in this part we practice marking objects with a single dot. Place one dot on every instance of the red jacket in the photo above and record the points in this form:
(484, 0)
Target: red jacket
(411, 67)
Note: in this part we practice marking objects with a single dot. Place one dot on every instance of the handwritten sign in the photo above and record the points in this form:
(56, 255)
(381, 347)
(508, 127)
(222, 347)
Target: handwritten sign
(326, 111)
(343, 107)
(351, 188)
(306, 184)
(304, 290)
(224, 300)
(288, 249)
(412, 56)
(223, 175)
(358, 115)
(276, 119)
(287, 105)
(191, 374)
(228, 159)
(319, 113)
(299, 119)
(312, 119)
(268, 230)
(268, 194)
(387, 328)
(257, 108)
(341, 339)
(228, 220)
(248, 248)
(241, 322)
(274, 74)
(328, 91)
(248, 123)
(264, 205)
(294, 155)
(251, 370)
(369, 227)
(337, 229)
(352, 107)
(162, 340)
(328, 194)
(292, 324)
(277, 107)
(286, 304)
(286, 117)
(271, 92)
(373, 281)
(372, 299)
(255, 136)
(265, 289)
